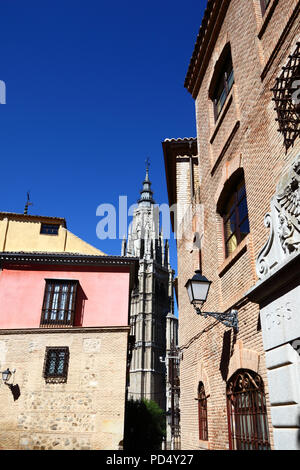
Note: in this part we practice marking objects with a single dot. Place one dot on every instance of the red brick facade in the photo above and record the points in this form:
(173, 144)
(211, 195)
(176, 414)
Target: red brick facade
(243, 140)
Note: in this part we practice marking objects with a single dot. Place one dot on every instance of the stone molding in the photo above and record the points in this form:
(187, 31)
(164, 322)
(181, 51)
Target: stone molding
(24, 331)
(284, 223)
(243, 358)
(202, 376)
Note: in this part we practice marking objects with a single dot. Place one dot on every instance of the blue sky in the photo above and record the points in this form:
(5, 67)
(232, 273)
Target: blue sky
(92, 89)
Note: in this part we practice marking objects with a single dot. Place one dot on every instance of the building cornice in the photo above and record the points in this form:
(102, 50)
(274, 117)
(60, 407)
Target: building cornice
(65, 258)
(70, 259)
(173, 148)
(29, 217)
(72, 330)
(208, 33)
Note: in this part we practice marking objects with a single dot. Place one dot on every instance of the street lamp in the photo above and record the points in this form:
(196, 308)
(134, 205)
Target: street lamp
(197, 289)
(6, 375)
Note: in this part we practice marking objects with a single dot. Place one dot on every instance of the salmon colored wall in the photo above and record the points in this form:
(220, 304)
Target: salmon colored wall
(102, 300)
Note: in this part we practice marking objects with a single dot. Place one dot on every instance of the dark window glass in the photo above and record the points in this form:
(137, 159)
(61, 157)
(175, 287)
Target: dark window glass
(236, 223)
(247, 412)
(59, 303)
(202, 413)
(49, 229)
(56, 364)
(264, 5)
(223, 86)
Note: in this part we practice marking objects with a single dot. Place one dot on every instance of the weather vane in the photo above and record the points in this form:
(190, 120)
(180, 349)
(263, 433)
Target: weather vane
(147, 163)
(28, 203)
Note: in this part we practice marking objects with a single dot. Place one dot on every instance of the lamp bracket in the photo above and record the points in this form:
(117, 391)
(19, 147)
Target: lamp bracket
(229, 319)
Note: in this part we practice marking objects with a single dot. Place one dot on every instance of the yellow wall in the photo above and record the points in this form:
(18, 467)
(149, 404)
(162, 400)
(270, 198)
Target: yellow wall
(22, 233)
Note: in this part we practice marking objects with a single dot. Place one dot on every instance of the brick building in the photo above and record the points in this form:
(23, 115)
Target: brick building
(64, 328)
(243, 75)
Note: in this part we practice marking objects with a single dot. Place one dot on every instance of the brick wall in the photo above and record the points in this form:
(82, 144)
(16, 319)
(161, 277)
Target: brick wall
(245, 136)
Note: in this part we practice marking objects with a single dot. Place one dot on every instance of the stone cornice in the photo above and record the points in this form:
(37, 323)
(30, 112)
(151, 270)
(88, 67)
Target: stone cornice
(72, 330)
(65, 258)
(208, 33)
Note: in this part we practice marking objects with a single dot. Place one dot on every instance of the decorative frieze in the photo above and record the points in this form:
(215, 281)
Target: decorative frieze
(284, 223)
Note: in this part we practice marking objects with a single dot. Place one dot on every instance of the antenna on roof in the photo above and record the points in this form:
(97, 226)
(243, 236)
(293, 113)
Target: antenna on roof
(28, 203)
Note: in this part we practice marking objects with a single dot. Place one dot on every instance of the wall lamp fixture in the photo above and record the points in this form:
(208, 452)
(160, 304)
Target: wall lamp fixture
(197, 288)
(6, 375)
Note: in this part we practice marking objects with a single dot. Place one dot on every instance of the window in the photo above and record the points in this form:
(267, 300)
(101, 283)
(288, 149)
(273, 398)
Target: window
(59, 303)
(247, 412)
(56, 364)
(49, 229)
(223, 83)
(264, 5)
(235, 217)
(202, 413)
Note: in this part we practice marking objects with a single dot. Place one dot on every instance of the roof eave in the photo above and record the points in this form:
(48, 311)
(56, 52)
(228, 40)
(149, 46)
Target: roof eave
(210, 26)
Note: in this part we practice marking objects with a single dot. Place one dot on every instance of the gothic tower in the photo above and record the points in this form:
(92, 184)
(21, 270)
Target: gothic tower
(151, 301)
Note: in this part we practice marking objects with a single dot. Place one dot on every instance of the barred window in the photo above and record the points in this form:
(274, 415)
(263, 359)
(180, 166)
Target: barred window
(247, 412)
(59, 303)
(56, 364)
(202, 413)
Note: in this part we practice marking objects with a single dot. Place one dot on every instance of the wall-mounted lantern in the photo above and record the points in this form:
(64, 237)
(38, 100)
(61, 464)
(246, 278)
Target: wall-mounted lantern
(6, 375)
(198, 288)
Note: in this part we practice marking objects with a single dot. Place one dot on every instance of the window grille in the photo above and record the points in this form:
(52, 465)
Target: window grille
(59, 303)
(56, 364)
(287, 98)
(247, 412)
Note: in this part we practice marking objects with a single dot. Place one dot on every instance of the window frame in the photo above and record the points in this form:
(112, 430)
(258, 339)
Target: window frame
(264, 6)
(224, 81)
(202, 413)
(45, 227)
(247, 412)
(56, 376)
(234, 210)
(48, 302)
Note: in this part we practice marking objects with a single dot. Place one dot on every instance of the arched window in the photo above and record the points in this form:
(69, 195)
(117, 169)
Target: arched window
(202, 413)
(264, 5)
(235, 215)
(247, 412)
(222, 80)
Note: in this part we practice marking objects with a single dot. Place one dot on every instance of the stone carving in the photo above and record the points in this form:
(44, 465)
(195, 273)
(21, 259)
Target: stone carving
(284, 223)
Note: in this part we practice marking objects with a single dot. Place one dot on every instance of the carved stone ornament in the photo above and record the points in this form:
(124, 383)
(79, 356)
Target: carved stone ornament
(284, 223)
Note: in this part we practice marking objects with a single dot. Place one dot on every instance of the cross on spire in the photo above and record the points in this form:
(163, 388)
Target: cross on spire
(147, 161)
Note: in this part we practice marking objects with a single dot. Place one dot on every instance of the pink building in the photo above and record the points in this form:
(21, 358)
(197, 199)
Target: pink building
(64, 328)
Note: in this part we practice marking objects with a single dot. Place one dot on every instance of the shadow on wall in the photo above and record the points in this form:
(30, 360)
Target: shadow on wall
(226, 353)
(15, 390)
(80, 304)
(299, 432)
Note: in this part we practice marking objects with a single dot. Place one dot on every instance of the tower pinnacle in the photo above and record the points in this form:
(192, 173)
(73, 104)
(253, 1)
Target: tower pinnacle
(146, 198)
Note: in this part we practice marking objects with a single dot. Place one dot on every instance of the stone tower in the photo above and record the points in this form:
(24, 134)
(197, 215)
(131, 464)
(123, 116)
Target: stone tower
(151, 301)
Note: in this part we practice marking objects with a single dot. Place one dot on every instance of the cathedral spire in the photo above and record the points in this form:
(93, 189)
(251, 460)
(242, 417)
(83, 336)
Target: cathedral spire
(146, 198)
